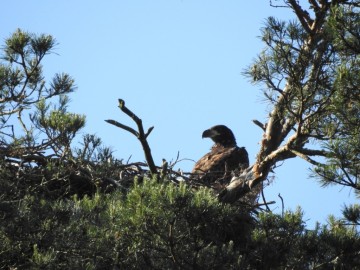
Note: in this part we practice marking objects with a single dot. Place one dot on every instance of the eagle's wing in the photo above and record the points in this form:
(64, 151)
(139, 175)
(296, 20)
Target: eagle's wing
(220, 161)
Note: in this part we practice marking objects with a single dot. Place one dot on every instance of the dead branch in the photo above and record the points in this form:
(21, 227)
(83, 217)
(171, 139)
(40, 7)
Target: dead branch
(282, 204)
(140, 134)
(125, 127)
(259, 124)
(305, 157)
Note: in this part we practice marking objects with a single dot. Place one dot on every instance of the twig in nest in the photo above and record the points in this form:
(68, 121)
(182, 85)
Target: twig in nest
(282, 204)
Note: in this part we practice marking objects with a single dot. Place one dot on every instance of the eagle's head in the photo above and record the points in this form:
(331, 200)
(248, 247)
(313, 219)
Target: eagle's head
(221, 135)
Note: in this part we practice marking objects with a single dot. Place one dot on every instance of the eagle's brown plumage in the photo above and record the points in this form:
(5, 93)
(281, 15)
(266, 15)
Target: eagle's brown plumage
(224, 158)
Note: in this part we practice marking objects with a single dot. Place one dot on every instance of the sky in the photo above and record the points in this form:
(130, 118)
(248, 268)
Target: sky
(178, 64)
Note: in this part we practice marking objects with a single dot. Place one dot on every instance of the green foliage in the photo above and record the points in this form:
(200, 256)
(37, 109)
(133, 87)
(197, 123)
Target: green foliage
(163, 226)
(344, 23)
(36, 151)
(352, 214)
(173, 227)
(342, 122)
(24, 88)
(59, 125)
(40, 233)
(155, 225)
(285, 243)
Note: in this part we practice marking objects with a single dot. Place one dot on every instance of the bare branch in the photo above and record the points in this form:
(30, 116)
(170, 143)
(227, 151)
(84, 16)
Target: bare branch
(125, 127)
(265, 202)
(305, 157)
(277, 6)
(148, 132)
(303, 15)
(259, 124)
(140, 134)
(282, 204)
(314, 5)
(312, 152)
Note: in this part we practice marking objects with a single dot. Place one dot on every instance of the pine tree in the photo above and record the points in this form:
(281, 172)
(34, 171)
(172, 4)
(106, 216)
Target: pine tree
(309, 72)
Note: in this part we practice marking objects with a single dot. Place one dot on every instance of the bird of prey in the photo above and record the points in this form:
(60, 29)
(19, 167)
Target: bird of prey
(224, 159)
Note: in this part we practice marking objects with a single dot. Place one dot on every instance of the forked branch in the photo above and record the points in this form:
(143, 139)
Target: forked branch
(139, 134)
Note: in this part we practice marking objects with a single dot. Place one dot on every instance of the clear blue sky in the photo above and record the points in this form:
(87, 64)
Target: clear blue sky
(177, 64)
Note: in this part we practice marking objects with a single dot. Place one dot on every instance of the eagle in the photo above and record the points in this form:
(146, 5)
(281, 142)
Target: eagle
(224, 159)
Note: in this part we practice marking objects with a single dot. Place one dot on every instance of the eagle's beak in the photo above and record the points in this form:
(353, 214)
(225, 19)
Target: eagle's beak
(209, 133)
